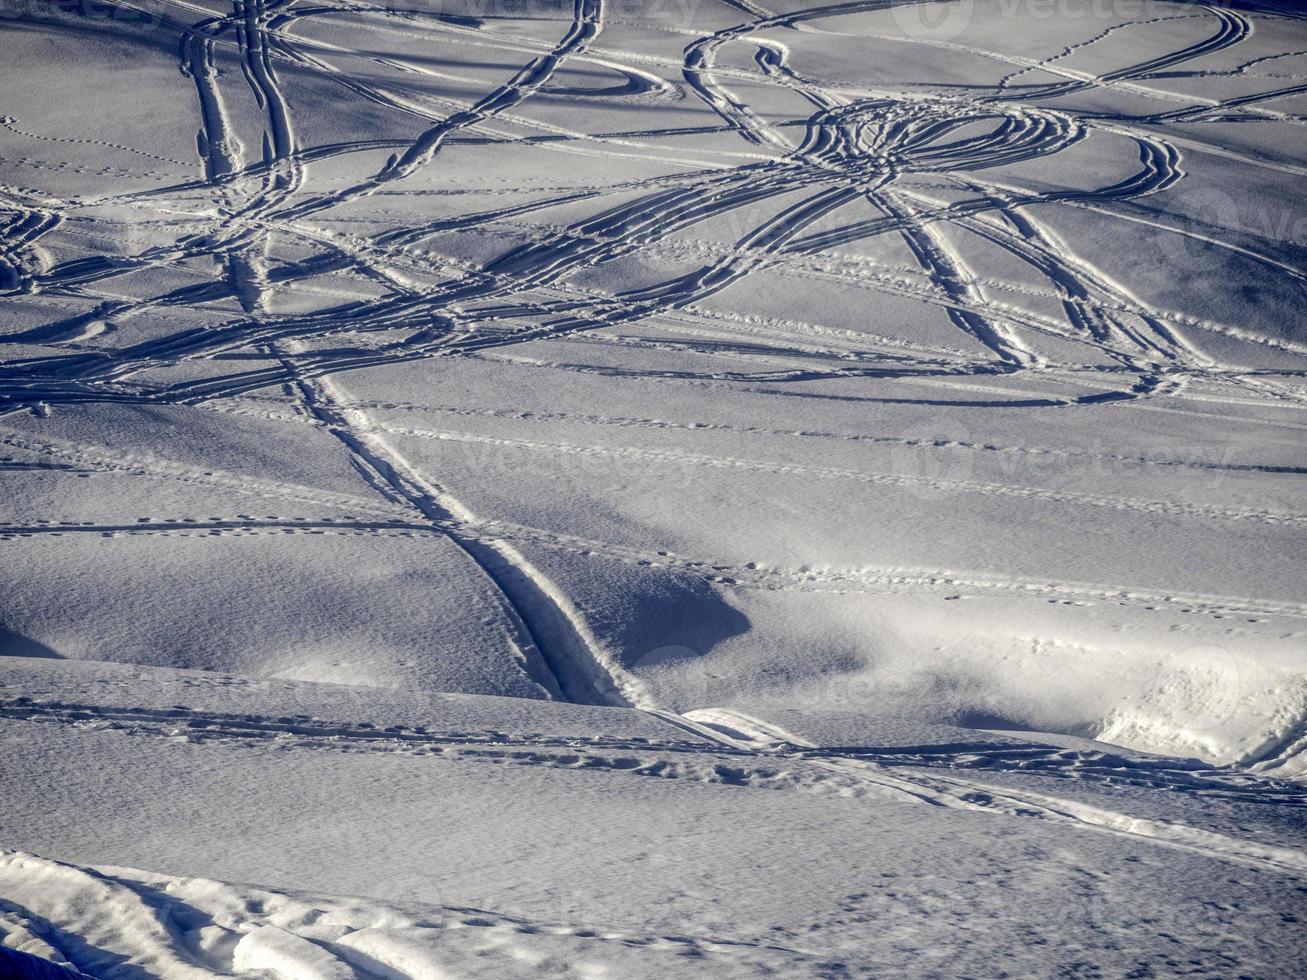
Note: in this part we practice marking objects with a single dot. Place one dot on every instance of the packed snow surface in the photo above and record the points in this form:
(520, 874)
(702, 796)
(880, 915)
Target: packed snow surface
(713, 488)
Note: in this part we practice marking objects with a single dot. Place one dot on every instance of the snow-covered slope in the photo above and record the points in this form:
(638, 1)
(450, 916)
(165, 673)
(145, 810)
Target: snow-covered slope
(496, 837)
(882, 422)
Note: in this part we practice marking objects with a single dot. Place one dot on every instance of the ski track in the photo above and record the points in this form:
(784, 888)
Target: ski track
(885, 154)
(737, 750)
(395, 515)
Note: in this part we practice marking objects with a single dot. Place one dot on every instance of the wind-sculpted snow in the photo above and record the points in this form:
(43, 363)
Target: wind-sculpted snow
(193, 928)
(723, 363)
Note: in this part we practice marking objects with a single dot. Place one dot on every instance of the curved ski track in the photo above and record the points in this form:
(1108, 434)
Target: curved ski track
(872, 150)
